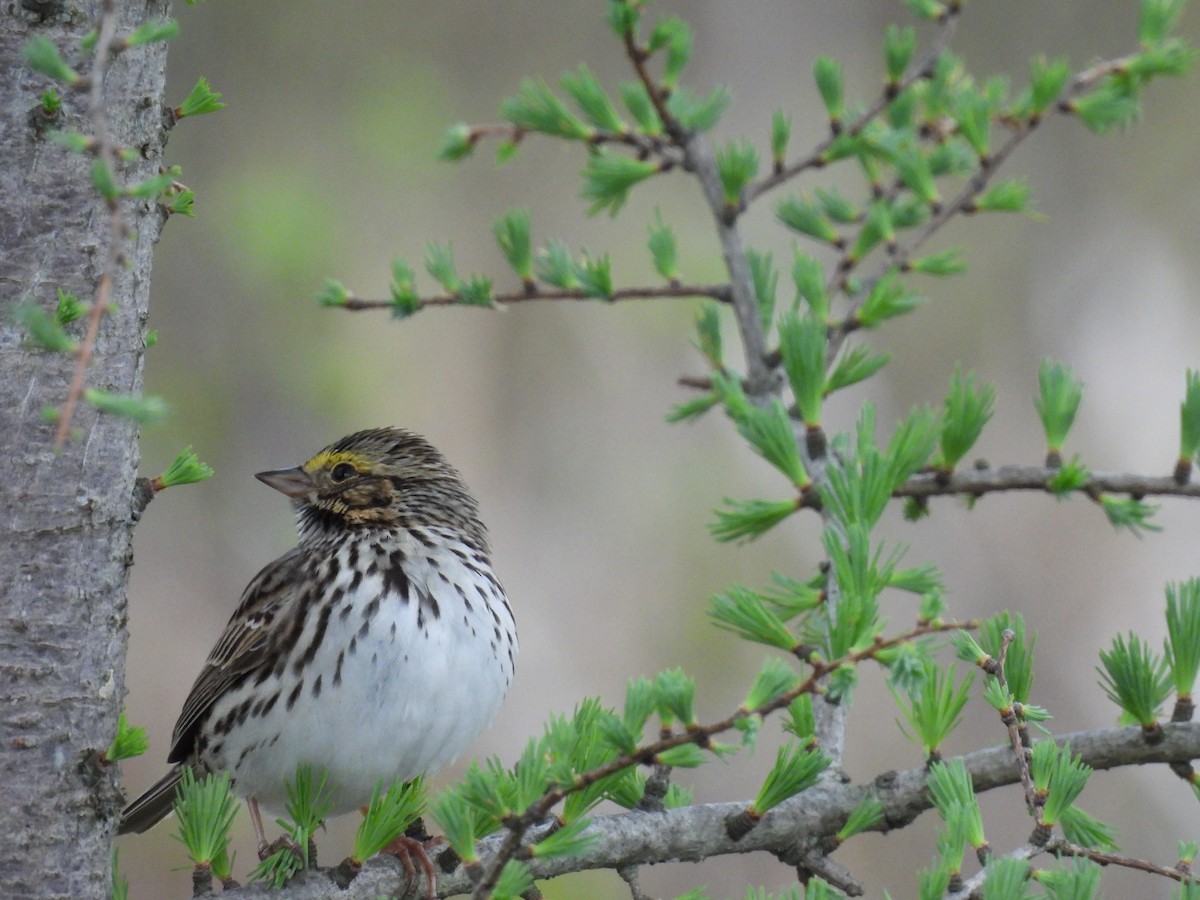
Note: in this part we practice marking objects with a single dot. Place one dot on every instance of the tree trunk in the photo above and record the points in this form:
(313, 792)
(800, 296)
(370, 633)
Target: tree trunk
(65, 516)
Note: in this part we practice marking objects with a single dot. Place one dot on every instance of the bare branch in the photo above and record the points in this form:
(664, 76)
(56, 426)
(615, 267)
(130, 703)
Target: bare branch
(1066, 848)
(645, 145)
(1060, 846)
(760, 379)
(977, 482)
(1016, 739)
(718, 292)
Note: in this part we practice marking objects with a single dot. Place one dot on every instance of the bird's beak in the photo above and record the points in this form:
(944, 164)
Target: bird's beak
(296, 483)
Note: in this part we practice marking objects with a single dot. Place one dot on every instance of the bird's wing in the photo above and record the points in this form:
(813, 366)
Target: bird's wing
(257, 625)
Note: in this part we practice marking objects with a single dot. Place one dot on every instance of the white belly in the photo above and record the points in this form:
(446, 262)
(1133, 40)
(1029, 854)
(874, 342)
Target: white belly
(415, 690)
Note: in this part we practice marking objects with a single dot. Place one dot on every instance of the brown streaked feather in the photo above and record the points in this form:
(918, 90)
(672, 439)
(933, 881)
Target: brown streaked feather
(151, 807)
(243, 648)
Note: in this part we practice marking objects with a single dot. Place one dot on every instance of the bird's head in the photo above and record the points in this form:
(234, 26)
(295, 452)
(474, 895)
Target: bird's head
(383, 478)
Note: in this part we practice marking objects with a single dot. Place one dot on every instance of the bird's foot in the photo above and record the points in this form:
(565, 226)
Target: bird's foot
(410, 850)
(283, 842)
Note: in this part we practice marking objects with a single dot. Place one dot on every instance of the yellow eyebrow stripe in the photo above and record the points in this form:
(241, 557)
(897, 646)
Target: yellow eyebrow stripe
(327, 460)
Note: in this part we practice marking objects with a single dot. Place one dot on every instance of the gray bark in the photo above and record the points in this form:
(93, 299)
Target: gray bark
(65, 522)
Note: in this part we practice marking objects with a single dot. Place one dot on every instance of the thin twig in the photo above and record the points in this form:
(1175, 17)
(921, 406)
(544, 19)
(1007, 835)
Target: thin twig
(1020, 754)
(814, 159)
(815, 862)
(760, 380)
(903, 252)
(645, 145)
(698, 159)
(658, 95)
(965, 199)
(719, 292)
(629, 874)
(656, 789)
(106, 153)
(1066, 848)
(973, 887)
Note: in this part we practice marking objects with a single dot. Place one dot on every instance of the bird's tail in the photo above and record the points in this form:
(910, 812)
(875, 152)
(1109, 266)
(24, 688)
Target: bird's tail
(153, 806)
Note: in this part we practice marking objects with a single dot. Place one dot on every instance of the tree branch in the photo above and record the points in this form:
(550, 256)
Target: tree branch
(760, 379)
(719, 292)
(1066, 848)
(899, 257)
(815, 157)
(977, 482)
(700, 735)
(645, 145)
(699, 160)
(694, 833)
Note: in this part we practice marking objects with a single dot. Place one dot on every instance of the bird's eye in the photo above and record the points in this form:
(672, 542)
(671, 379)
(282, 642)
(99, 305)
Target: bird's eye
(342, 471)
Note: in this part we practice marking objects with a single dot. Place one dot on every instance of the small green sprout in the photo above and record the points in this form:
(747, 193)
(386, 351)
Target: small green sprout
(571, 839)
(1129, 513)
(950, 786)
(205, 810)
(746, 614)
(1087, 831)
(663, 249)
(935, 709)
(968, 407)
(334, 293)
(796, 769)
(149, 33)
(737, 164)
(128, 742)
(1058, 399)
(202, 100)
(537, 108)
(745, 520)
(1136, 679)
(828, 75)
(594, 275)
(609, 177)
(781, 133)
(512, 234)
(388, 814)
(403, 290)
(555, 266)
(145, 410)
(42, 56)
(439, 262)
(1183, 639)
(1189, 427)
(865, 816)
(457, 143)
(51, 102)
(43, 329)
(592, 101)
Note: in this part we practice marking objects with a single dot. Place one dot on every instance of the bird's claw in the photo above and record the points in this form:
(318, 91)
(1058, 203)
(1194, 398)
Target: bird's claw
(283, 842)
(409, 850)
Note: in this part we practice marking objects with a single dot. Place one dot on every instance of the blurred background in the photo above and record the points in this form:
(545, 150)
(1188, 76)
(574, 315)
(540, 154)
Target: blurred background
(323, 166)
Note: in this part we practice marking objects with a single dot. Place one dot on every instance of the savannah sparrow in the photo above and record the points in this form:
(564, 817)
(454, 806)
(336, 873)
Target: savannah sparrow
(376, 650)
